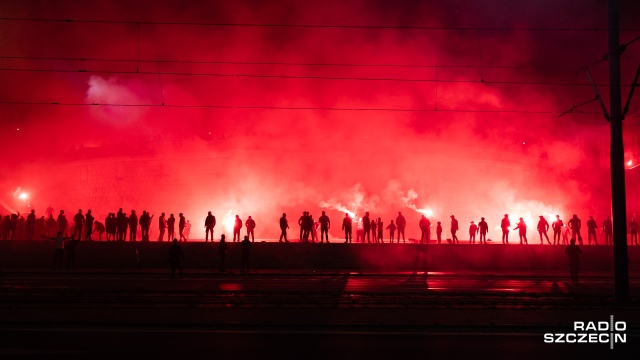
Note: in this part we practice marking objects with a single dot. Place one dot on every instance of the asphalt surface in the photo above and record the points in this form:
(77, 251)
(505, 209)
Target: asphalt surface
(308, 315)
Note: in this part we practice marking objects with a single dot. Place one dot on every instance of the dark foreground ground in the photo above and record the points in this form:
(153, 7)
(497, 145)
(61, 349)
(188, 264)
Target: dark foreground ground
(306, 314)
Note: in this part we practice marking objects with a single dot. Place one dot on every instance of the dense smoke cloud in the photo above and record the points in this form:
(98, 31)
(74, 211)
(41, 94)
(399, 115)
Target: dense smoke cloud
(261, 161)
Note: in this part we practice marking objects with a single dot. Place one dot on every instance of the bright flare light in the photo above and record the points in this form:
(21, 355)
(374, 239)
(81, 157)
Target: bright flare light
(229, 222)
(425, 212)
(630, 162)
(23, 196)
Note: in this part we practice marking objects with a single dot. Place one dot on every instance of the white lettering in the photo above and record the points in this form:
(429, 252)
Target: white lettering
(591, 326)
(603, 326)
(582, 338)
(620, 326)
(578, 325)
(593, 338)
(571, 338)
(620, 338)
(603, 338)
(548, 338)
(559, 338)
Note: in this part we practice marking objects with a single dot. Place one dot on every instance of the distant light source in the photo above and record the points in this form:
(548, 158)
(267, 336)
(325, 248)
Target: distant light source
(630, 162)
(23, 196)
(523, 143)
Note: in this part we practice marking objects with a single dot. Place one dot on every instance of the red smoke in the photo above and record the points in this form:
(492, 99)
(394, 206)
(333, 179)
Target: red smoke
(470, 158)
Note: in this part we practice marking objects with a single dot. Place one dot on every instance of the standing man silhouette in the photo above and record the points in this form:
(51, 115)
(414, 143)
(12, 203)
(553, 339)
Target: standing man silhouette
(347, 225)
(573, 253)
(284, 225)
(88, 225)
(505, 224)
(401, 223)
(250, 224)
(557, 230)
(522, 226)
(366, 226)
(454, 229)
(182, 223)
(483, 228)
(31, 225)
(380, 231)
(543, 227)
(78, 220)
(162, 226)
(591, 230)
(392, 228)
(575, 224)
(176, 256)
(209, 224)
(325, 224)
(245, 245)
(633, 227)
(133, 225)
(237, 225)
(473, 229)
(607, 228)
(222, 251)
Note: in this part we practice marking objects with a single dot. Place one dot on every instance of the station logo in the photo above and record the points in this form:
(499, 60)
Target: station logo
(591, 332)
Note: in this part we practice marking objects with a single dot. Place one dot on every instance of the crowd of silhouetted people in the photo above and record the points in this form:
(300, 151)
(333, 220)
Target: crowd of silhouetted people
(123, 226)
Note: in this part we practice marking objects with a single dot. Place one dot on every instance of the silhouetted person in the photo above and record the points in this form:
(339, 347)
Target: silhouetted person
(401, 223)
(171, 226)
(162, 227)
(182, 223)
(543, 227)
(175, 258)
(99, 228)
(245, 245)
(392, 229)
(575, 224)
(250, 224)
(222, 251)
(63, 223)
(49, 211)
(133, 226)
(144, 221)
(30, 225)
(374, 234)
(522, 227)
(424, 225)
(473, 229)
(505, 224)
(325, 224)
(439, 231)
(284, 225)
(123, 222)
(111, 223)
(607, 228)
(301, 223)
(566, 235)
(307, 226)
(573, 253)
(591, 230)
(633, 229)
(359, 231)
(52, 226)
(380, 231)
(78, 220)
(59, 252)
(454, 229)
(557, 230)
(314, 231)
(209, 224)
(40, 229)
(237, 225)
(71, 253)
(187, 231)
(88, 225)
(483, 229)
(366, 227)
(347, 226)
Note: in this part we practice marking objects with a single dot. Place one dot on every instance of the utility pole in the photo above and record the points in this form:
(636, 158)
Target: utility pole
(618, 193)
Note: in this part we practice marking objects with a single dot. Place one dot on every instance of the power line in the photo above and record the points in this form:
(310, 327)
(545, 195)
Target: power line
(302, 108)
(283, 63)
(317, 26)
(306, 77)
